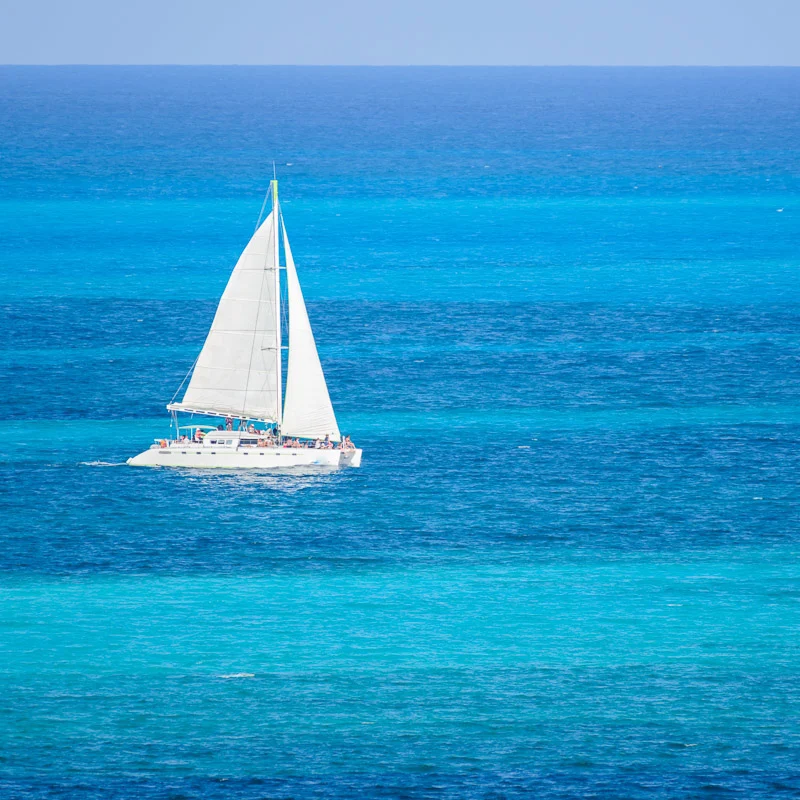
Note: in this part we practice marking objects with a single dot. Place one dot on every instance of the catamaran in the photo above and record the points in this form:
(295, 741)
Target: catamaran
(236, 381)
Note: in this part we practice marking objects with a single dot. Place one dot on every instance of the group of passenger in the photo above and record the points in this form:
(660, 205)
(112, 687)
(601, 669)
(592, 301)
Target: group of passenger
(317, 444)
(270, 438)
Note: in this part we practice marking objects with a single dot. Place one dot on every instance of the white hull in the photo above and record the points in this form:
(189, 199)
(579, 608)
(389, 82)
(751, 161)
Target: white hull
(198, 456)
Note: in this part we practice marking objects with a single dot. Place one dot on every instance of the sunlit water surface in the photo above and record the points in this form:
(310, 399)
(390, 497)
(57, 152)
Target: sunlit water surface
(559, 310)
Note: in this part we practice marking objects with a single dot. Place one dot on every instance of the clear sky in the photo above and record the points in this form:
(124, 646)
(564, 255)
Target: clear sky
(550, 32)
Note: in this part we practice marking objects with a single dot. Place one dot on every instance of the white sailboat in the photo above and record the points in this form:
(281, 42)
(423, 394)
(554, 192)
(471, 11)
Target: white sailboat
(238, 376)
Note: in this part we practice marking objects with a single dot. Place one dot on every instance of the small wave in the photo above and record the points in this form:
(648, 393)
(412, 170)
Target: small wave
(103, 463)
(288, 480)
(238, 675)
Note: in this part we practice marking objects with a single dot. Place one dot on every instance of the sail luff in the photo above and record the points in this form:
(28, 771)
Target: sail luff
(307, 410)
(278, 349)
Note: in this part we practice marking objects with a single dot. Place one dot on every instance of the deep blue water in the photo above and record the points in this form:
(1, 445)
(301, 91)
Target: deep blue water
(559, 309)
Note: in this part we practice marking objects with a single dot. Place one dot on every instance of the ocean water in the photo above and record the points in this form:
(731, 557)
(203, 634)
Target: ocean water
(560, 311)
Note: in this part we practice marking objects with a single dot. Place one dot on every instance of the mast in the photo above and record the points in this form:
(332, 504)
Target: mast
(278, 351)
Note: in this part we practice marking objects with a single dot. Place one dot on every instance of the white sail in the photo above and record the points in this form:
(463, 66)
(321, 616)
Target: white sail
(238, 370)
(307, 410)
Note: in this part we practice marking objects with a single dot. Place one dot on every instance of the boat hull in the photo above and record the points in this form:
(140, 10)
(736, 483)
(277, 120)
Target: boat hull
(253, 458)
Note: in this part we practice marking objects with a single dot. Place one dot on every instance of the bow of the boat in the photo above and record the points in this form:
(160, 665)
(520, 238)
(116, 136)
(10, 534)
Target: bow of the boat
(350, 458)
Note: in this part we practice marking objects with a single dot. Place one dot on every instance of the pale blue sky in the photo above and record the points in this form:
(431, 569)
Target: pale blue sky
(612, 32)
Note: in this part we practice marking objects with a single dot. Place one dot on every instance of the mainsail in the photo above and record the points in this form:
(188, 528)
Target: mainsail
(238, 370)
(307, 411)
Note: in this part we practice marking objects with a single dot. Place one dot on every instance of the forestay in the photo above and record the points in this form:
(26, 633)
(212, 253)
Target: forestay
(238, 368)
(307, 410)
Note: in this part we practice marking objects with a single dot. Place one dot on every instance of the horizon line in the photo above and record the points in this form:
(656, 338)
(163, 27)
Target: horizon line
(420, 66)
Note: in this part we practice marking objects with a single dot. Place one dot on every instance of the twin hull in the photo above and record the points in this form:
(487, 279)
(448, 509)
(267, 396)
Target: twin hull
(252, 458)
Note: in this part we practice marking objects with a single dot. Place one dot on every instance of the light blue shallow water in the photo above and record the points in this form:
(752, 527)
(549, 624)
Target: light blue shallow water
(558, 308)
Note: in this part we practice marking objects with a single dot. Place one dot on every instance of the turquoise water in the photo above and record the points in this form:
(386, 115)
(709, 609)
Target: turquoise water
(559, 309)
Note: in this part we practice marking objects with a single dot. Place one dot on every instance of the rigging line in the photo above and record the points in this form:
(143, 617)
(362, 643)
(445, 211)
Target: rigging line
(263, 205)
(194, 364)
